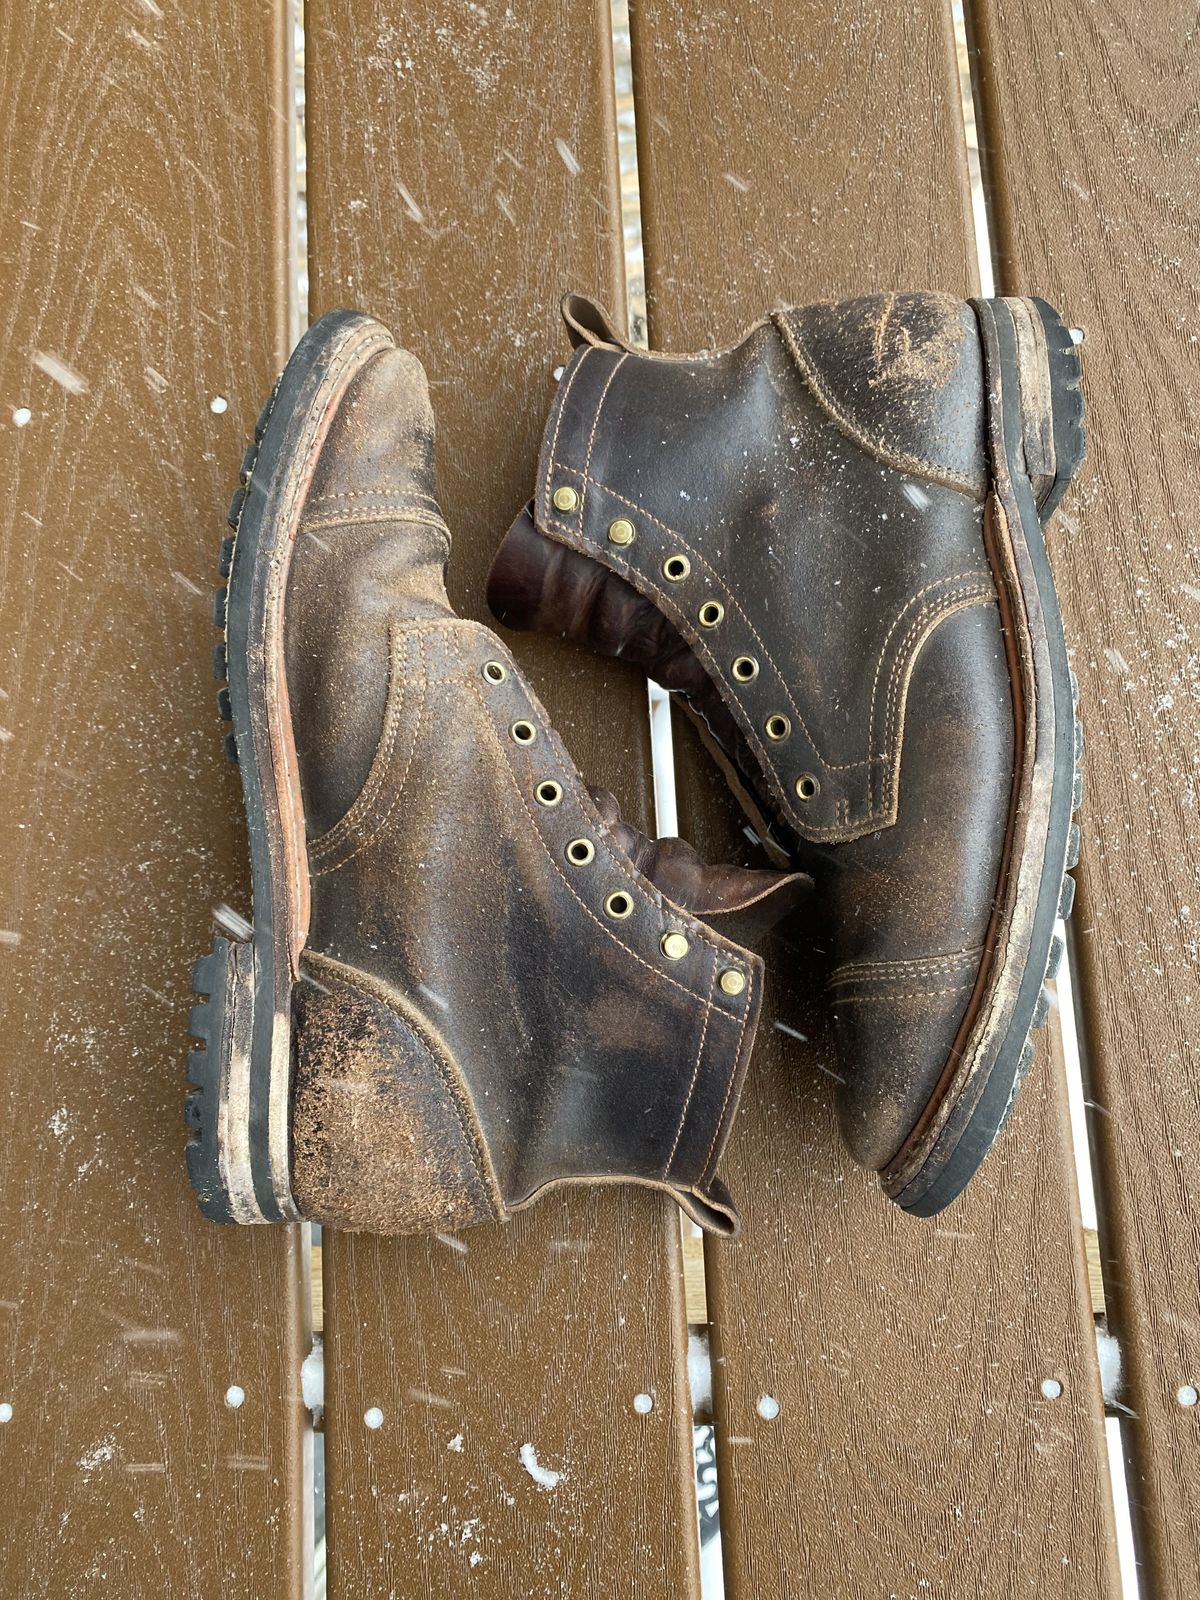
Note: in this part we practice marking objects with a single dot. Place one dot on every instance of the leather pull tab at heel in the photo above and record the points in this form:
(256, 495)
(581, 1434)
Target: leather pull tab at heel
(384, 1135)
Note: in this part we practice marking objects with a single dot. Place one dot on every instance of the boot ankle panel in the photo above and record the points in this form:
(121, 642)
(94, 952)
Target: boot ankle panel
(811, 706)
(649, 1099)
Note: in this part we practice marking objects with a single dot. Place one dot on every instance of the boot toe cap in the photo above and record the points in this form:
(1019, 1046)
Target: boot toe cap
(896, 1033)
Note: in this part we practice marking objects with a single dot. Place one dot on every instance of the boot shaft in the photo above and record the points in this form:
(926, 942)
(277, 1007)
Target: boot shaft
(801, 510)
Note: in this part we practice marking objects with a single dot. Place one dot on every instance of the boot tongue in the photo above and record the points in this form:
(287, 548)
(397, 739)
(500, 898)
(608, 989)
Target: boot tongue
(743, 903)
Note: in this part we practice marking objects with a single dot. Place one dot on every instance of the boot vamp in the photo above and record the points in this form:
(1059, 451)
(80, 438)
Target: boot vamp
(912, 907)
(371, 546)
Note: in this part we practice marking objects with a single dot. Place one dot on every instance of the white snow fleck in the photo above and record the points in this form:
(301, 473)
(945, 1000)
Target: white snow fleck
(312, 1377)
(643, 1404)
(410, 205)
(155, 379)
(544, 1477)
(99, 1453)
(1116, 661)
(1108, 1352)
(5, 1411)
(699, 1370)
(456, 1443)
(767, 1407)
(232, 922)
(54, 367)
(58, 1122)
(474, 1558)
(9, 936)
(235, 1397)
(734, 182)
(568, 157)
(218, 405)
(914, 493)
(21, 415)
(429, 1399)
(795, 1033)
(373, 1417)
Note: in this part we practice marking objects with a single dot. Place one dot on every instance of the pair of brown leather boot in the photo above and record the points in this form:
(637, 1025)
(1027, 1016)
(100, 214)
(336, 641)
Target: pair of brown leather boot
(468, 980)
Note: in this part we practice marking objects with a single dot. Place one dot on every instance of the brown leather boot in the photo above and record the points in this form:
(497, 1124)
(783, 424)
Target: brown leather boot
(467, 981)
(828, 540)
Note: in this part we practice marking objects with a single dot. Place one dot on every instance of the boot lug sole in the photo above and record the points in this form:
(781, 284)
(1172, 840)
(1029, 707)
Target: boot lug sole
(239, 1159)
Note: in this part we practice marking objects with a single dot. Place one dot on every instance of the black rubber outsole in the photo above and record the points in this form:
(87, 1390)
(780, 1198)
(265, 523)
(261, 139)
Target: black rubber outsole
(208, 1020)
(993, 1110)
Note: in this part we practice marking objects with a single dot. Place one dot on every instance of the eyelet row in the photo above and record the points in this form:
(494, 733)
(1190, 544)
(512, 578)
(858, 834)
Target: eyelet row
(581, 852)
(710, 614)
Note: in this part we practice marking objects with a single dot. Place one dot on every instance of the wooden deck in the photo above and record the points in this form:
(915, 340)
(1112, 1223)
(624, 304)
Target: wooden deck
(900, 1408)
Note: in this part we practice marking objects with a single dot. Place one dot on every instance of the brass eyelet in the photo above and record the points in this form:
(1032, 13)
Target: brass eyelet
(745, 669)
(710, 613)
(548, 793)
(732, 981)
(580, 852)
(495, 671)
(807, 786)
(523, 732)
(674, 946)
(565, 499)
(778, 727)
(621, 531)
(676, 568)
(618, 905)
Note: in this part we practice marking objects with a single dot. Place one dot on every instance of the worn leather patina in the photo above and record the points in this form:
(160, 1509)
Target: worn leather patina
(505, 987)
(791, 535)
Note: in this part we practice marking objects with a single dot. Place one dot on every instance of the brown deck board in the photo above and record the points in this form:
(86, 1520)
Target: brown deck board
(1095, 122)
(794, 152)
(463, 175)
(134, 140)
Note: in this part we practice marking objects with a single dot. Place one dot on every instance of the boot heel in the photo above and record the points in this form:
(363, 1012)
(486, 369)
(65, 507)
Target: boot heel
(386, 1138)
(1049, 375)
(220, 1110)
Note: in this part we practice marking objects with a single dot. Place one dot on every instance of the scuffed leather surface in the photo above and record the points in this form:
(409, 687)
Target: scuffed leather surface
(863, 589)
(583, 1051)
(383, 1132)
(902, 374)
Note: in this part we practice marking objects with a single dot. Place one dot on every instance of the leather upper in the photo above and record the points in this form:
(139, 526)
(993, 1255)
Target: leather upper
(474, 906)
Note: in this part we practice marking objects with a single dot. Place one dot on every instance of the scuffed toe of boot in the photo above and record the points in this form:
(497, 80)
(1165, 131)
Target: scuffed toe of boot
(896, 1025)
